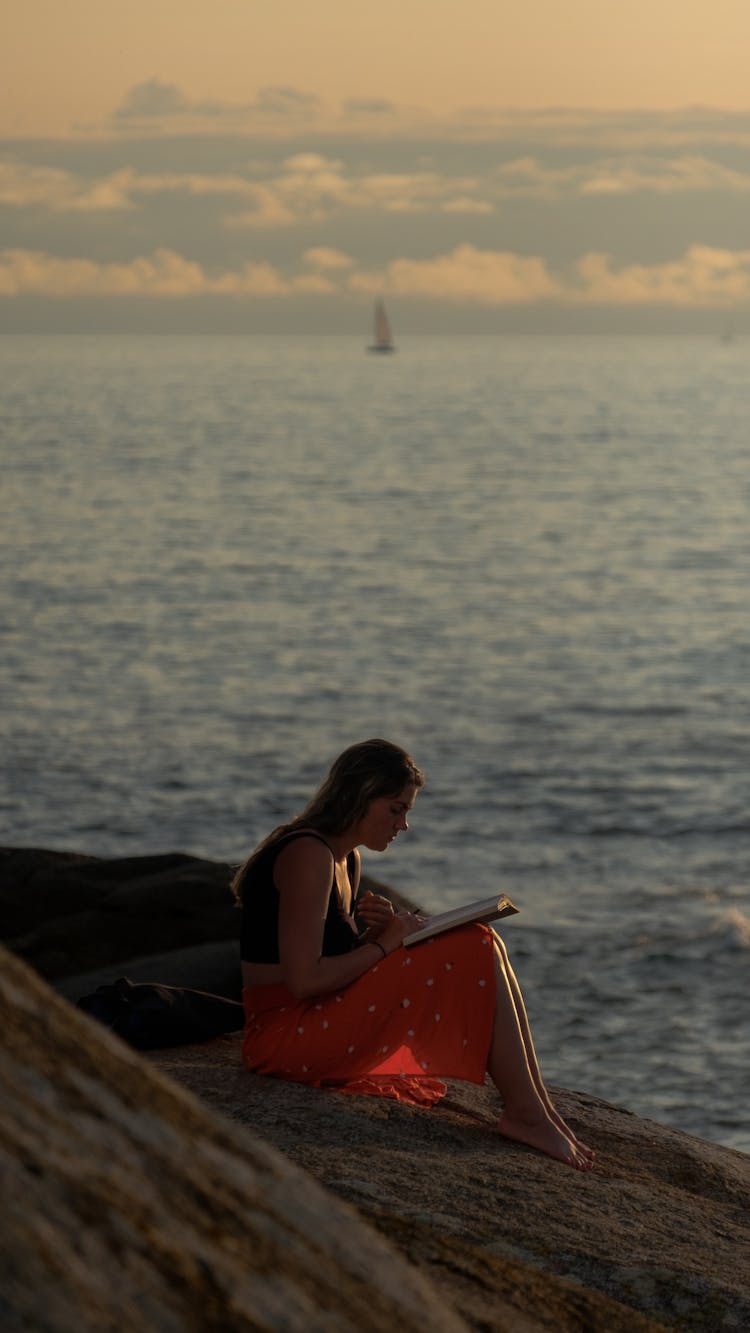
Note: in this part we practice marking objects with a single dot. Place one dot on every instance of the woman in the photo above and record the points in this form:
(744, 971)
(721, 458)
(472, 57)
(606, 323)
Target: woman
(328, 1006)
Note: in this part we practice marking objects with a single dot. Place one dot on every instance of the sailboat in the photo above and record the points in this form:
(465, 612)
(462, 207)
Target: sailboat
(383, 338)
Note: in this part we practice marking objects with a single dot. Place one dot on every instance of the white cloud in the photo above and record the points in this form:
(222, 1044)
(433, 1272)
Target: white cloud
(307, 186)
(464, 204)
(677, 175)
(161, 274)
(527, 176)
(321, 256)
(185, 182)
(626, 174)
(483, 277)
(24, 186)
(702, 278)
(311, 164)
(313, 187)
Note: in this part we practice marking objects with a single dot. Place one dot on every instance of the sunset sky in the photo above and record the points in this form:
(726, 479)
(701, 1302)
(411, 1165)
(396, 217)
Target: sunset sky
(258, 165)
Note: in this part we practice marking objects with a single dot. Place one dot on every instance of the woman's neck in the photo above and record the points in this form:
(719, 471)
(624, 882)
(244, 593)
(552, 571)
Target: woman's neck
(341, 844)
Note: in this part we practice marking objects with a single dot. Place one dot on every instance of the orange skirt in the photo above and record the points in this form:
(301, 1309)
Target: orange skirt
(419, 1014)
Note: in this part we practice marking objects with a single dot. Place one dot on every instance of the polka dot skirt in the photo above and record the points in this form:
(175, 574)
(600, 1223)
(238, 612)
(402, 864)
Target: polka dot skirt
(419, 1015)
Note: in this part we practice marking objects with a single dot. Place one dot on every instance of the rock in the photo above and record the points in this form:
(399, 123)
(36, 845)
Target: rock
(71, 915)
(100, 1155)
(657, 1235)
(66, 914)
(209, 967)
(129, 1206)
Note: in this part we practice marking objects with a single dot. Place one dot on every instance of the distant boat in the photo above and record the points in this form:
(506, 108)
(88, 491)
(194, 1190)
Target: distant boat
(383, 337)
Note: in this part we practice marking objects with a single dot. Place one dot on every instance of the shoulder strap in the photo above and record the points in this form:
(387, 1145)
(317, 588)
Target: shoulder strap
(303, 833)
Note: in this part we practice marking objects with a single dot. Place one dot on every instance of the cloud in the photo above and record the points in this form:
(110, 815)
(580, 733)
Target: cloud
(369, 106)
(156, 106)
(309, 187)
(285, 102)
(161, 274)
(630, 130)
(24, 186)
(680, 175)
(554, 209)
(154, 101)
(629, 174)
(313, 187)
(483, 277)
(464, 204)
(321, 256)
(702, 278)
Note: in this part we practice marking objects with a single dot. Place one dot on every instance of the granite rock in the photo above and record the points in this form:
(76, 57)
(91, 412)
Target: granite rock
(82, 920)
(103, 1156)
(657, 1235)
(130, 1206)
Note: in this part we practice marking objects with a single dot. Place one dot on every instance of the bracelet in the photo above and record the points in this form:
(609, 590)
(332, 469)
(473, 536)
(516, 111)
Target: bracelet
(380, 947)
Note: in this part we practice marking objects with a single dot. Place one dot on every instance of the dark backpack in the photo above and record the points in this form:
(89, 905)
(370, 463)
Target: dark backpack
(147, 1014)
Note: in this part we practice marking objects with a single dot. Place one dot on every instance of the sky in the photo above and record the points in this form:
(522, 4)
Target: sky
(273, 166)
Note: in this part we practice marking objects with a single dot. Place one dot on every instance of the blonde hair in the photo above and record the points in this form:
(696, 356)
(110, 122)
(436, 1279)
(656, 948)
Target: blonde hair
(360, 775)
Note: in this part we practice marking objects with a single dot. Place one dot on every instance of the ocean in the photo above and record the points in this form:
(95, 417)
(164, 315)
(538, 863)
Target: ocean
(525, 559)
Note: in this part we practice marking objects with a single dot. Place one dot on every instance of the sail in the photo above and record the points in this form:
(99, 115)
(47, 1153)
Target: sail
(382, 328)
(383, 341)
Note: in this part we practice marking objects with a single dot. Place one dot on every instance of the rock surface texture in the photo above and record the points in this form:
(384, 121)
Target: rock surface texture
(129, 1206)
(82, 920)
(657, 1235)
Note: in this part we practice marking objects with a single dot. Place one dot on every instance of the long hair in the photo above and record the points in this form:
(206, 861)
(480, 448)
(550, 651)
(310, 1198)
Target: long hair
(360, 775)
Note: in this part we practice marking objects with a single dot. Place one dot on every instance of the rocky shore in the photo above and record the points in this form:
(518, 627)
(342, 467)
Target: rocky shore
(177, 1192)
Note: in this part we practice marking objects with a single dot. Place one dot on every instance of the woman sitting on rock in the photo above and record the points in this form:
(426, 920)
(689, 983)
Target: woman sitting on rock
(329, 1007)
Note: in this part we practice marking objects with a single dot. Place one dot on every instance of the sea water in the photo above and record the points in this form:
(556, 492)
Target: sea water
(527, 560)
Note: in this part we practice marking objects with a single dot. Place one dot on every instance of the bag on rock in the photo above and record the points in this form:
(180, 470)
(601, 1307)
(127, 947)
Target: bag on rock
(148, 1014)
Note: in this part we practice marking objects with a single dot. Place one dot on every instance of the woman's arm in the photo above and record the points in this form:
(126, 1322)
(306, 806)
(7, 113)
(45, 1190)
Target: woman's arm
(303, 875)
(377, 912)
(372, 909)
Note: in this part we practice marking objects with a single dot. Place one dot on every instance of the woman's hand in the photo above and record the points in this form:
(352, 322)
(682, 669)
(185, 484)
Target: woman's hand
(376, 912)
(394, 933)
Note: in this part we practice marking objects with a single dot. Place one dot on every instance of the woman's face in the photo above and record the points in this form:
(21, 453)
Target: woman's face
(384, 819)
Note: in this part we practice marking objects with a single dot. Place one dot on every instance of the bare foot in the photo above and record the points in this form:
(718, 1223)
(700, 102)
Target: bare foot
(562, 1125)
(541, 1133)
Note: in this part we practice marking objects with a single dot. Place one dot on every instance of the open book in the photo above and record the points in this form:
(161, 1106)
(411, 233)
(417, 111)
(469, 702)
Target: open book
(487, 909)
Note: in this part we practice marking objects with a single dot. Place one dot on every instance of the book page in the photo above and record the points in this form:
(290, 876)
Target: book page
(486, 909)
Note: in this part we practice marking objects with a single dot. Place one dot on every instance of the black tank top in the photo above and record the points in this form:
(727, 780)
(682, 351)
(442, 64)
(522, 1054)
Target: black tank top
(259, 940)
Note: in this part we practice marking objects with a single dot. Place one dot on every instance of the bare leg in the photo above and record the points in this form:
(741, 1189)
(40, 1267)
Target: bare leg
(525, 1117)
(523, 1023)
